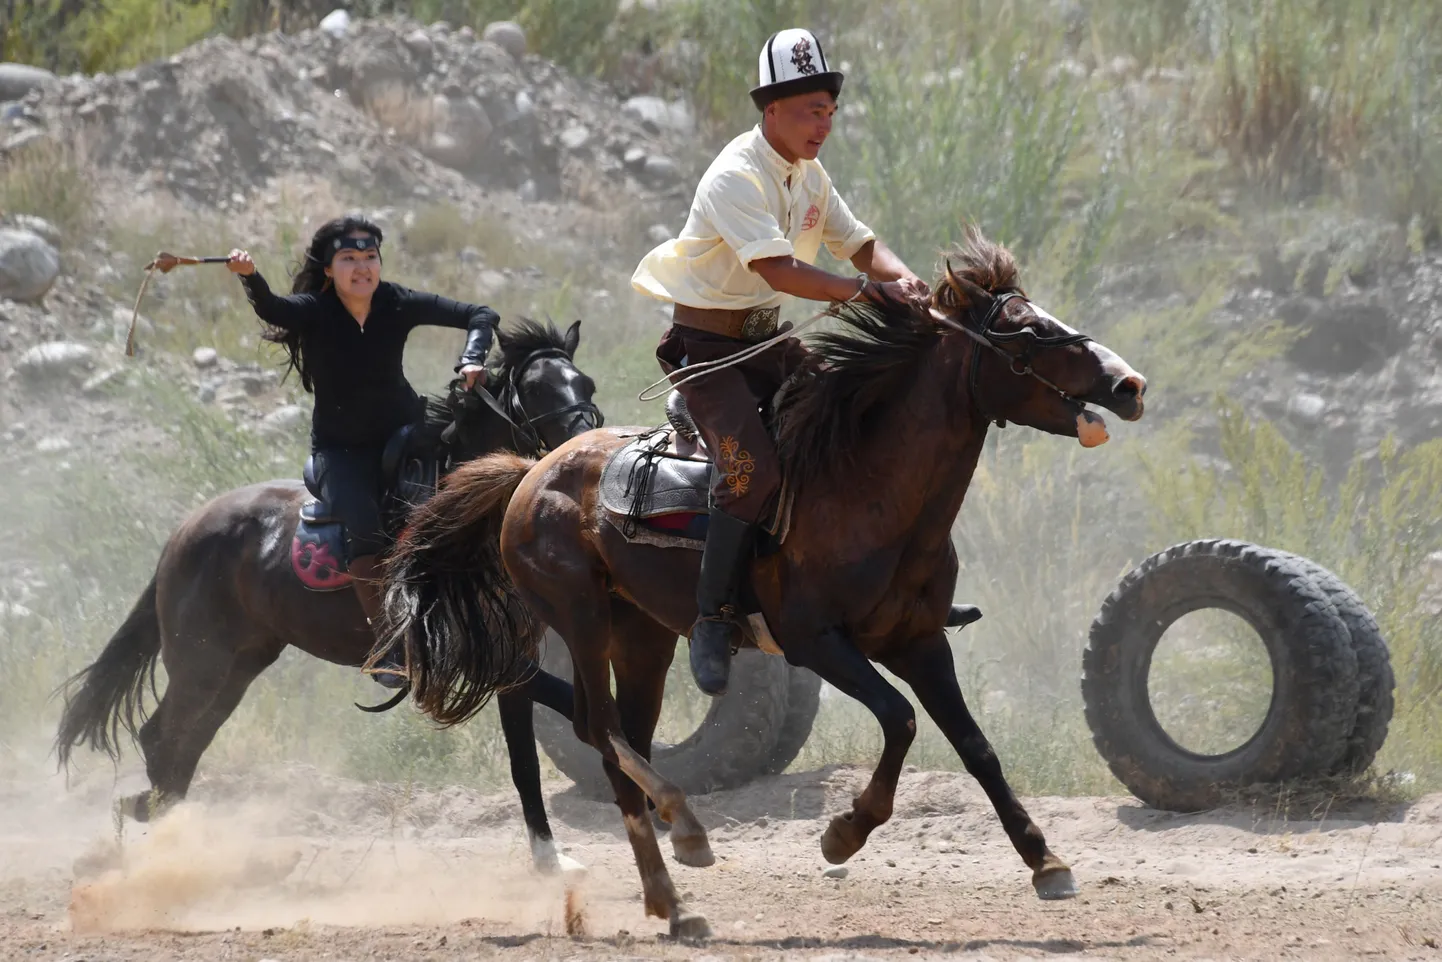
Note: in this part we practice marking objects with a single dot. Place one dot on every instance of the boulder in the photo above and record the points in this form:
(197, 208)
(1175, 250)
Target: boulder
(18, 79)
(660, 170)
(55, 361)
(336, 23)
(657, 113)
(28, 265)
(507, 35)
(283, 420)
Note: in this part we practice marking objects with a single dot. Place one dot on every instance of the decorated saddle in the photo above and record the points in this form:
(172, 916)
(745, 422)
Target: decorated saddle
(411, 466)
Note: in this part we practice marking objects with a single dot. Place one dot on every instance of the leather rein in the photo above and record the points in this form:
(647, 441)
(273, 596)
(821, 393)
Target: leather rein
(1018, 364)
(524, 427)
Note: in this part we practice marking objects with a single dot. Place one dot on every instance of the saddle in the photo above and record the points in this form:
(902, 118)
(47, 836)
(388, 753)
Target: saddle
(657, 488)
(411, 466)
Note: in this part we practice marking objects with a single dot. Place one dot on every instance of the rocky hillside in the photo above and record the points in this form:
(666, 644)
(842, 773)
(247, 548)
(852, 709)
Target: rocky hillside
(406, 110)
(1364, 309)
(413, 115)
(410, 117)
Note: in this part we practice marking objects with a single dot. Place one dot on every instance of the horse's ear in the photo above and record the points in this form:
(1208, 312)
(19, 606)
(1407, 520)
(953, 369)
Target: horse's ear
(968, 293)
(573, 339)
(945, 296)
(964, 293)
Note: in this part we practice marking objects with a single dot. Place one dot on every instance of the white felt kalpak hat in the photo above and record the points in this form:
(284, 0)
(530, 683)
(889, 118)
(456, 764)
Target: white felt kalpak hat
(791, 63)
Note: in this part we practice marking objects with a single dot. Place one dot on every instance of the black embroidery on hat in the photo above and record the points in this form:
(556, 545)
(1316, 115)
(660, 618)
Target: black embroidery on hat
(801, 57)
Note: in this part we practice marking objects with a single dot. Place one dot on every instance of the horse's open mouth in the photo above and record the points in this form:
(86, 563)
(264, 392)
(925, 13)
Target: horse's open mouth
(1091, 428)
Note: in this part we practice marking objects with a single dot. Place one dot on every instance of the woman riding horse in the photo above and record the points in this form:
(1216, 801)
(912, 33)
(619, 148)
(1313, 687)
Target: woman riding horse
(345, 331)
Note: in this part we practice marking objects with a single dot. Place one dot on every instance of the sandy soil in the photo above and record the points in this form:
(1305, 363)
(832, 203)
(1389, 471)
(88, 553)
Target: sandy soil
(291, 864)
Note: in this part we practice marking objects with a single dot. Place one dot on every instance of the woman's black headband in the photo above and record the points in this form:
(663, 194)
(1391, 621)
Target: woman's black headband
(367, 243)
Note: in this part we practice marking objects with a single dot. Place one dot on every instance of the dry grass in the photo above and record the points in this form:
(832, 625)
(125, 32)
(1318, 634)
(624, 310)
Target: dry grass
(48, 178)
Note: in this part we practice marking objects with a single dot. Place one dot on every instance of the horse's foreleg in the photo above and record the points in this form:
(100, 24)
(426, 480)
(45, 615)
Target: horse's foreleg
(516, 726)
(834, 657)
(928, 668)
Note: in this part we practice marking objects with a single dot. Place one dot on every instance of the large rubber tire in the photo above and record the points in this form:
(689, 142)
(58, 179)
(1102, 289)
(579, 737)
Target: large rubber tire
(1375, 680)
(803, 701)
(733, 745)
(1313, 712)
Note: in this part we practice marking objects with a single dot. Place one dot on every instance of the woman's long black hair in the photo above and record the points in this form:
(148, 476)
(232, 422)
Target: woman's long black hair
(310, 279)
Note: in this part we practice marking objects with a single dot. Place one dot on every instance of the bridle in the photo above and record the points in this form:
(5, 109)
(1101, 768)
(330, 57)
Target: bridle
(524, 427)
(1018, 364)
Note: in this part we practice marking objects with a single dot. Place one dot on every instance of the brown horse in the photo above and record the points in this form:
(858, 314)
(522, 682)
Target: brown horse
(227, 597)
(862, 568)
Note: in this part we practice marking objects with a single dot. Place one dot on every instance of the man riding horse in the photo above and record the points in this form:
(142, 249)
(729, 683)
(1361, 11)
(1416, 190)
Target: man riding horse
(759, 217)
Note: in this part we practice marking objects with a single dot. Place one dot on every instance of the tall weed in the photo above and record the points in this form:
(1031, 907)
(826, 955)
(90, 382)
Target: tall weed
(48, 178)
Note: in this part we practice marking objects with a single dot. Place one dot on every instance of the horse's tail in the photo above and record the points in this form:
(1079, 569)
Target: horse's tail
(109, 694)
(449, 599)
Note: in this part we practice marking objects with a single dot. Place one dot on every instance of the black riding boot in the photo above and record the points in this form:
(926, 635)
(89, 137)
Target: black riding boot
(716, 633)
(390, 670)
(963, 615)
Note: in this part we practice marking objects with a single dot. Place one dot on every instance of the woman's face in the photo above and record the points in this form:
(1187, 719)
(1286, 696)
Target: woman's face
(355, 273)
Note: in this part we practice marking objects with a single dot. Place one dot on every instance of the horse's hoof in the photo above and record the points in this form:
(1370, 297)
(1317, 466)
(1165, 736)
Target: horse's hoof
(560, 866)
(567, 866)
(842, 839)
(1055, 885)
(692, 850)
(143, 808)
(548, 860)
(389, 679)
(688, 925)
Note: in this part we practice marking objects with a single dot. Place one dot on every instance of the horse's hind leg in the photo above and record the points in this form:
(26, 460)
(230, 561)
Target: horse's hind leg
(640, 664)
(834, 657)
(205, 685)
(928, 668)
(516, 725)
(585, 624)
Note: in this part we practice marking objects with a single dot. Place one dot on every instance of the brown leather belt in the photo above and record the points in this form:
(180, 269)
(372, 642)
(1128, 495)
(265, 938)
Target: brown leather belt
(749, 324)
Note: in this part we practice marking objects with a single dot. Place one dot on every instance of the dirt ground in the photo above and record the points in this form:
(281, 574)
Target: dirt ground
(290, 864)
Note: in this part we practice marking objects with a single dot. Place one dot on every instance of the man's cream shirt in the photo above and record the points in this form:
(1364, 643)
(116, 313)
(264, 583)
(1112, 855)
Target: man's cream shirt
(751, 203)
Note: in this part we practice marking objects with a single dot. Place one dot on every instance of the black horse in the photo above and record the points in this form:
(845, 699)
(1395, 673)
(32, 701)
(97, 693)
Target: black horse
(255, 570)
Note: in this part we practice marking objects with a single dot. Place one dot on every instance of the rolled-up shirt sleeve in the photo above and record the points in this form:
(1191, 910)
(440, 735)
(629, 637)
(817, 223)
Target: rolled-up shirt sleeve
(736, 206)
(842, 233)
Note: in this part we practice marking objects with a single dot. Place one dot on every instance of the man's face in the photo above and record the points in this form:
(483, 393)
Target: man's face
(802, 123)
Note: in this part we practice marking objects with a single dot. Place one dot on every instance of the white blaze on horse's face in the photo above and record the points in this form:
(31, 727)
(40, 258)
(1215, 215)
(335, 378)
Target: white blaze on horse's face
(1091, 428)
(1117, 379)
(1044, 314)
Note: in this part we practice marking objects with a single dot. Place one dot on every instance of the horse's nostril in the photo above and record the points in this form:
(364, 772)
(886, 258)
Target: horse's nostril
(1131, 386)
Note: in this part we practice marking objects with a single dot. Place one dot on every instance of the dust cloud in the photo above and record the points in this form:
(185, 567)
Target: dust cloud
(227, 861)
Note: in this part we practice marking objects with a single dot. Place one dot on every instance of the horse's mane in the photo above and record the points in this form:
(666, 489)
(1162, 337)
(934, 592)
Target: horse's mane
(515, 345)
(852, 372)
(525, 339)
